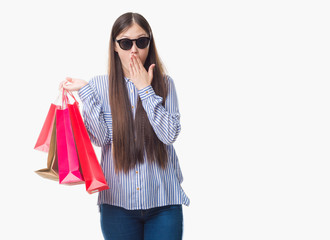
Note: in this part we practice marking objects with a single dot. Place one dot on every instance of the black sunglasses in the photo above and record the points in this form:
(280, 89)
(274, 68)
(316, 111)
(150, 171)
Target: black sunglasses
(126, 44)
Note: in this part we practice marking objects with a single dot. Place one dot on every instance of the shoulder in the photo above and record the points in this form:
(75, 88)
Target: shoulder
(99, 79)
(100, 86)
(99, 83)
(169, 82)
(168, 78)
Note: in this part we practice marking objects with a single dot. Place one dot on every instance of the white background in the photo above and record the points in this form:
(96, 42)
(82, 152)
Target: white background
(253, 84)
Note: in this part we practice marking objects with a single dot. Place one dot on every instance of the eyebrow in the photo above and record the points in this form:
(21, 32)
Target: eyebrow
(137, 36)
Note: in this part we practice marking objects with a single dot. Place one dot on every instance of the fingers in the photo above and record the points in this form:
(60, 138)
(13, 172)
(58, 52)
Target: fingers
(137, 62)
(66, 84)
(150, 71)
(130, 69)
(69, 88)
(61, 85)
(73, 84)
(133, 65)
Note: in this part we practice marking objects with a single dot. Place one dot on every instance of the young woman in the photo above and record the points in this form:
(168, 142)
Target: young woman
(132, 114)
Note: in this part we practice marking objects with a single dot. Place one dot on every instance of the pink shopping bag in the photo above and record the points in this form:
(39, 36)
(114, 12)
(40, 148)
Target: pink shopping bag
(68, 163)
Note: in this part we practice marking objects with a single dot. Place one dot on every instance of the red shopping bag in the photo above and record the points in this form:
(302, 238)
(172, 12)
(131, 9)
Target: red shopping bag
(92, 171)
(68, 163)
(51, 172)
(45, 135)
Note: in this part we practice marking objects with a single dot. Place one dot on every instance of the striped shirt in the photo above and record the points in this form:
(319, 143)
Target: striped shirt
(147, 185)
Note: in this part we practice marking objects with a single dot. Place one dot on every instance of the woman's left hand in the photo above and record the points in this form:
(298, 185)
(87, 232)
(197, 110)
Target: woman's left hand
(139, 76)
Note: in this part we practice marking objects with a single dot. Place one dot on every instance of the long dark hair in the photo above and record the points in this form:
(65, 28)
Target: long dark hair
(131, 138)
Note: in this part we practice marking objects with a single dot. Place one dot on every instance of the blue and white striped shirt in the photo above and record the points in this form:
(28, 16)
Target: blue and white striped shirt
(147, 185)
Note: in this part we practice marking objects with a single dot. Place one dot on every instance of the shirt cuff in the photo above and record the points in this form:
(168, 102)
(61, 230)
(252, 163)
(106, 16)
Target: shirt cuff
(146, 92)
(85, 92)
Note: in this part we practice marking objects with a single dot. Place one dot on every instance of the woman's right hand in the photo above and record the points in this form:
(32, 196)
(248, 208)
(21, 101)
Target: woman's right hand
(72, 84)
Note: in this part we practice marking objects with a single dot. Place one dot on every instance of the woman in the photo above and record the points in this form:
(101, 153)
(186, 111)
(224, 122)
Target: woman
(132, 114)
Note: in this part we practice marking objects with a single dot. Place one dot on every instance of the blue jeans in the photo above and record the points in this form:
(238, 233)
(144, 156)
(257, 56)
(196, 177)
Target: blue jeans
(158, 223)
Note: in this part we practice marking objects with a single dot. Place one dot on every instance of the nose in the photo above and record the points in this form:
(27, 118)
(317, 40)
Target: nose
(134, 48)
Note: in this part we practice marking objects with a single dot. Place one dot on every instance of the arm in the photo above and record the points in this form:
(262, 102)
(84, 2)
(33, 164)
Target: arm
(98, 123)
(164, 120)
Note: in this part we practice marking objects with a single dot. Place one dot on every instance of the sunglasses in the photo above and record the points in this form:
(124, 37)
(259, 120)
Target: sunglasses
(126, 44)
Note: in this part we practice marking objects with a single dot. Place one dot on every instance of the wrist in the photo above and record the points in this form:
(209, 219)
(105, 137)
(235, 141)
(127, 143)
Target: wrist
(85, 92)
(146, 92)
(83, 84)
(140, 87)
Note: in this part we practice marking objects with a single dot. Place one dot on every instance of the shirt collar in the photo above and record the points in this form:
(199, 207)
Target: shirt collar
(126, 79)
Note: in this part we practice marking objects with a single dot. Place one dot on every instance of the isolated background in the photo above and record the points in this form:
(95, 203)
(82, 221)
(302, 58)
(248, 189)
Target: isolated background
(253, 84)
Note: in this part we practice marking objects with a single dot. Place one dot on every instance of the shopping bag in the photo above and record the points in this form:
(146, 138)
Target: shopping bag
(68, 163)
(91, 169)
(43, 141)
(51, 172)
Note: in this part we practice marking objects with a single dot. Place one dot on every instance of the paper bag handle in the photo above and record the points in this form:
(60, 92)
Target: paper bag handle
(65, 99)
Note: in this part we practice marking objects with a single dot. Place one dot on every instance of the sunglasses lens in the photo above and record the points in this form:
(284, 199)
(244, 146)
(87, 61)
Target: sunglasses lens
(142, 42)
(126, 44)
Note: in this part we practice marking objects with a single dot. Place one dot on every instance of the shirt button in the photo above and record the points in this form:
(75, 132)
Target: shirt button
(146, 91)
(138, 189)
(136, 171)
(132, 107)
